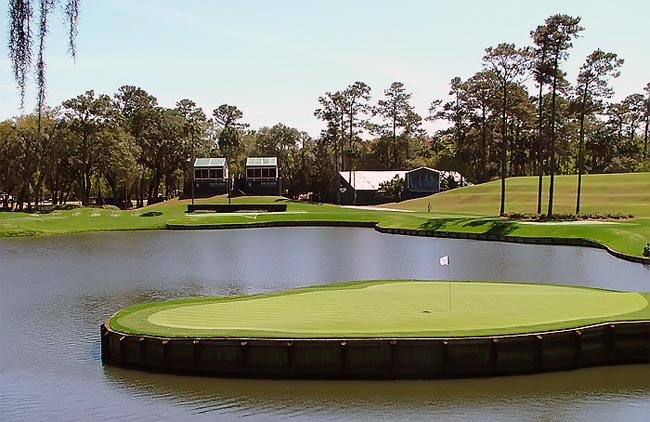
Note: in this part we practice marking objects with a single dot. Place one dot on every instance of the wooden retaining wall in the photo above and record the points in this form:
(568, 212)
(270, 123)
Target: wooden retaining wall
(225, 208)
(388, 358)
(262, 224)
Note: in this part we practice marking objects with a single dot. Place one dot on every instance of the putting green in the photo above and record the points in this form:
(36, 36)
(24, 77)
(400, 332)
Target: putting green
(386, 309)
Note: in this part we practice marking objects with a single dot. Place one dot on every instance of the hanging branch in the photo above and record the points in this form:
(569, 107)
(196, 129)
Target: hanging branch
(72, 17)
(45, 7)
(21, 41)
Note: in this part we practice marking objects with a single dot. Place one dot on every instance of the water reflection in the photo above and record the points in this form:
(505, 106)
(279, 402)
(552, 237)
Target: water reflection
(273, 259)
(593, 393)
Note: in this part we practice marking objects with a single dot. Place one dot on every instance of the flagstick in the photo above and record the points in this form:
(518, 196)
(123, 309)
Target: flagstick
(444, 261)
(449, 287)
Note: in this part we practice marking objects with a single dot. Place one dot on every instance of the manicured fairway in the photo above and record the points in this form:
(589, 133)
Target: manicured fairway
(626, 193)
(386, 309)
(464, 210)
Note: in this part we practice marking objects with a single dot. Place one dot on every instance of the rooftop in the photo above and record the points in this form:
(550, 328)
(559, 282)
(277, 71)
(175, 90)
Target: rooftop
(370, 180)
(210, 162)
(262, 161)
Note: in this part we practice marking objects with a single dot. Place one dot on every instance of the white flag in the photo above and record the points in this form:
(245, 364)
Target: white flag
(444, 260)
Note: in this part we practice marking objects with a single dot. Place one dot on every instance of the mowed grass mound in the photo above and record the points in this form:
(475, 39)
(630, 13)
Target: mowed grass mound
(394, 308)
(603, 193)
(625, 193)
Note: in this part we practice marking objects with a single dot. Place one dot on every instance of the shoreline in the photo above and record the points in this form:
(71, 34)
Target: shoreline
(537, 240)
(622, 239)
(422, 233)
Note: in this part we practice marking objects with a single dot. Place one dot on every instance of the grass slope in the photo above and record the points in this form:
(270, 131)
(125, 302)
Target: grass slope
(627, 193)
(603, 193)
(470, 209)
(392, 308)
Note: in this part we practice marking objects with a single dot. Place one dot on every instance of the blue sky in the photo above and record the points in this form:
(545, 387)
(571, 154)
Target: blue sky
(274, 58)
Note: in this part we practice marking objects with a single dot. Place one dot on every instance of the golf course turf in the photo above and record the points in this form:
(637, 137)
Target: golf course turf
(394, 329)
(469, 210)
(389, 308)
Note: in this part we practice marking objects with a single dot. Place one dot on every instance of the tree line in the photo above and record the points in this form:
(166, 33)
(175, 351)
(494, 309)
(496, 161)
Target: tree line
(518, 116)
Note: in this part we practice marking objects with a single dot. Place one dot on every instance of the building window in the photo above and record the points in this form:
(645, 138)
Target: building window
(213, 173)
(204, 174)
(265, 173)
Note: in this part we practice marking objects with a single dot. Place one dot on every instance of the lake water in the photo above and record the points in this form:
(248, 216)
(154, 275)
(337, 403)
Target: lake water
(55, 291)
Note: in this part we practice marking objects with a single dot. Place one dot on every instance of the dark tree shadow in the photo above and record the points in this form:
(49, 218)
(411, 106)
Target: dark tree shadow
(436, 223)
(491, 226)
(501, 227)
(478, 223)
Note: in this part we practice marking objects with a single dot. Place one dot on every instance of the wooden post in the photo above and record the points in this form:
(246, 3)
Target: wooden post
(494, 356)
(577, 349)
(290, 356)
(165, 350)
(540, 352)
(611, 343)
(196, 352)
(393, 357)
(123, 357)
(142, 351)
(445, 357)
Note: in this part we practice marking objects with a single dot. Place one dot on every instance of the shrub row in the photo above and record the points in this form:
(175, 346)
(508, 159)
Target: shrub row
(568, 216)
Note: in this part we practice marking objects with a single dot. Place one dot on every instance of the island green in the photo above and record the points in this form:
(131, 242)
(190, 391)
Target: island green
(388, 308)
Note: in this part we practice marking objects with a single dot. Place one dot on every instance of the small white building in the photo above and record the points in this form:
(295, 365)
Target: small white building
(361, 187)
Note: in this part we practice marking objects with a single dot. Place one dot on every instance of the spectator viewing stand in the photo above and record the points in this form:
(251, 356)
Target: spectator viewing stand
(210, 176)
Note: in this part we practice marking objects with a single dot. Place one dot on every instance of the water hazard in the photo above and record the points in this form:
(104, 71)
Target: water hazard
(70, 284)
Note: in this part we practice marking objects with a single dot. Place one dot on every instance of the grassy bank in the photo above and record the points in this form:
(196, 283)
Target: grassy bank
(469, 209)
(627, 193)
(604, 193)
(392, 308)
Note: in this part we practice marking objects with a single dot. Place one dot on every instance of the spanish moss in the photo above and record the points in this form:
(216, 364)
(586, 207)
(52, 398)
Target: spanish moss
(72, 17)
(21, 41)
(45, 8)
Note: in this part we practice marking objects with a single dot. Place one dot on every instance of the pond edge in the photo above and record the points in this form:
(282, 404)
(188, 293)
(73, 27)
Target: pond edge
(422, 233)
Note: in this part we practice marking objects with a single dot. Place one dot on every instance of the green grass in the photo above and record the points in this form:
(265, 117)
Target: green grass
(173, 212)
(627, 193)
(471, 209)
(391, 308)
(603, 193)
